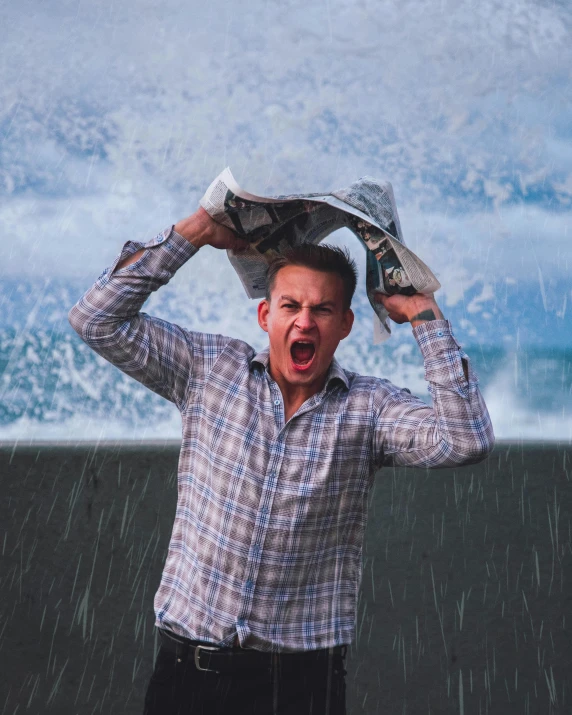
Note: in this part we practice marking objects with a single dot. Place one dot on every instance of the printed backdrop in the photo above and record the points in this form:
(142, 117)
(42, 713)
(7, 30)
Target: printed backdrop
(115, 117)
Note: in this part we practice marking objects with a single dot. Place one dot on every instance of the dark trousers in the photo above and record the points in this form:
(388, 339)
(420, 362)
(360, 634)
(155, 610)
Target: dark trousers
(317, 688)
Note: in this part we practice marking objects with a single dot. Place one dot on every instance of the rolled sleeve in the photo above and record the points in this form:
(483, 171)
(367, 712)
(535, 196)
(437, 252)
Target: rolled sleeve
(444, 357)
(168, 251)
(161, 355)
(456, 429)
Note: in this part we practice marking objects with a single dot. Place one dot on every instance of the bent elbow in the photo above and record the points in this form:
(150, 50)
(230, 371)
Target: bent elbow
(77, 320)
(475, 451)
(95, 330)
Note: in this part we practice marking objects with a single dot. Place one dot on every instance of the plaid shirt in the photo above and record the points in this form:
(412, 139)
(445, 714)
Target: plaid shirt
(269, 527)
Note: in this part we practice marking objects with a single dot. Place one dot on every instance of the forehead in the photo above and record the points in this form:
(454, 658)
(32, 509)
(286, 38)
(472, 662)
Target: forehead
(308, 284)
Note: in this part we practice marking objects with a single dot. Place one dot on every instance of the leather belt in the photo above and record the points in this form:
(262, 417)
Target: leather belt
(207, 657)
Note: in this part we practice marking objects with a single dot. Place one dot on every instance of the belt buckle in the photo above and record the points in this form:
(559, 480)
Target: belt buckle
(197, 656)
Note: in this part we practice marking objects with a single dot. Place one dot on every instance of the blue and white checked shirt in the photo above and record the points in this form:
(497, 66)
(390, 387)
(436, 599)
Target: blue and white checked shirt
(269, 527)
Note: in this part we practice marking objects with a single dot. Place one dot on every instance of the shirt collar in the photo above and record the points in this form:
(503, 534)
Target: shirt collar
(335, 372)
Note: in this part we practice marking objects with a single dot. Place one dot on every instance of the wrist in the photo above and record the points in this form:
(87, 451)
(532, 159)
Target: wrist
(425, 312)
(192, 231)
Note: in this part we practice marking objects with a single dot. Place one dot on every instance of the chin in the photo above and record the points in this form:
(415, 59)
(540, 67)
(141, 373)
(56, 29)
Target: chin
(304, 374)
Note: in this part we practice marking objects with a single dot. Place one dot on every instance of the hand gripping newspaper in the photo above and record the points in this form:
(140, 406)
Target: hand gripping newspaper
(272, 224)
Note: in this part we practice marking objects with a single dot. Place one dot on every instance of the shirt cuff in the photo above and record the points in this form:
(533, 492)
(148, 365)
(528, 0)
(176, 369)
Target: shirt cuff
(434, 336)
(176, 249)
(173, 239)
(443, 357)
(169, 251)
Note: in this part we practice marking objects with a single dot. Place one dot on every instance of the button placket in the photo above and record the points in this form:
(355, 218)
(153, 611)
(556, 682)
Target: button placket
(260, 528)
(277, 404)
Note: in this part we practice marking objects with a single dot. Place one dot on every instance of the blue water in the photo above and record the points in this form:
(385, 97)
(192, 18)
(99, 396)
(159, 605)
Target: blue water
(53, 387)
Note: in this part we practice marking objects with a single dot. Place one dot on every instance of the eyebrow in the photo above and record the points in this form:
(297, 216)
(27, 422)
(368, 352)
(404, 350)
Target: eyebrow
(318, 305)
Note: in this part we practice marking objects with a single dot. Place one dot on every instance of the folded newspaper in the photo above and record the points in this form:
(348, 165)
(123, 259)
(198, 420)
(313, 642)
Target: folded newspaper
(272, 224)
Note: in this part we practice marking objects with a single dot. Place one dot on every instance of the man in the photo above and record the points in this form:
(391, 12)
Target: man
(258, 597)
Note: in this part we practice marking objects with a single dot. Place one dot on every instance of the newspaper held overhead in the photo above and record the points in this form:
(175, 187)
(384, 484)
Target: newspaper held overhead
(272, 224)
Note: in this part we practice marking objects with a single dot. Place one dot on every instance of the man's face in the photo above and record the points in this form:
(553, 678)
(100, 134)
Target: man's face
(305, 321)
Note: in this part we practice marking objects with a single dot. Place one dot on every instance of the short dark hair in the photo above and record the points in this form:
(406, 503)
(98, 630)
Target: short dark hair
(329, 259)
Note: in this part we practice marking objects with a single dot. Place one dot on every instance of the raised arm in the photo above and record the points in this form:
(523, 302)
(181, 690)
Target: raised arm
(161, 355)
(456, 429)
(199, 230)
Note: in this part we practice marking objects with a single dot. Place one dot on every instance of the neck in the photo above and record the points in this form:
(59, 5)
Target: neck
(295, 395)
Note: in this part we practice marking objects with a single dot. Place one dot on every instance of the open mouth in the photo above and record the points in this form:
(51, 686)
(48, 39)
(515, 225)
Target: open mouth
(302, 353)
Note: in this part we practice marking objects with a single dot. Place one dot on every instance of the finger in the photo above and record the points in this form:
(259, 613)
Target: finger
(382, 299)
(240, 245)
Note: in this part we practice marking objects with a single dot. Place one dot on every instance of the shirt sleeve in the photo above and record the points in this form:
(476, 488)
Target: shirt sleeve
(455, 430)
(161, 355)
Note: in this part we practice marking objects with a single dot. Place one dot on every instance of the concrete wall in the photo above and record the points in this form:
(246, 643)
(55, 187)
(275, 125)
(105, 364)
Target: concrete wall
(466, 602)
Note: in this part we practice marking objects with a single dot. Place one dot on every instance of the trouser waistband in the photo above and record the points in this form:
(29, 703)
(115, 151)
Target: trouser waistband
(209, 657)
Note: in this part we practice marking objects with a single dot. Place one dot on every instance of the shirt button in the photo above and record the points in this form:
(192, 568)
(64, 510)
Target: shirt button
(256, 548)
(440, 333)
(249, 584)
(240, 622)
(277, 402)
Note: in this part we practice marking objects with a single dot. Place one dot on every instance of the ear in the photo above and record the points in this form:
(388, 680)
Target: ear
(347, 323)
(263, 310)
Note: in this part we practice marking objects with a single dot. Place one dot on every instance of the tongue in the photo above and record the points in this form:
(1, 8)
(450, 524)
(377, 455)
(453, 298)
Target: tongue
(302, 353)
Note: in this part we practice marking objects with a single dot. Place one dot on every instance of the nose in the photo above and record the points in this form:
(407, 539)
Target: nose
(305, 319)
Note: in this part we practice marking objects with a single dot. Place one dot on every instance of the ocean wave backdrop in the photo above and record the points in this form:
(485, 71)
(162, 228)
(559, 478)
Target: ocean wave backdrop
(112, 130)
(53, 387)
